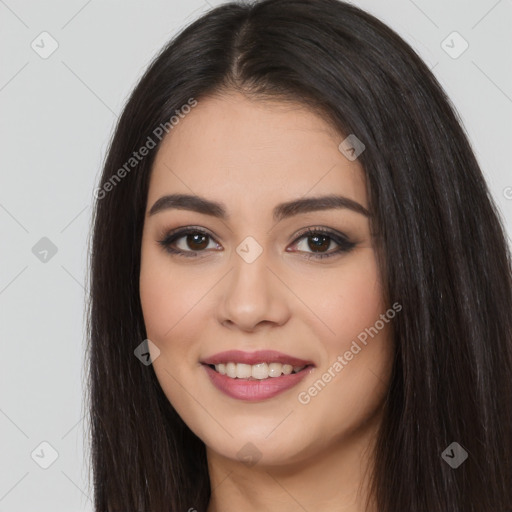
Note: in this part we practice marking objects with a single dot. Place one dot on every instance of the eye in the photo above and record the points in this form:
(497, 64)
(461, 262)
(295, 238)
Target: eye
(189, 242)
(319, 240)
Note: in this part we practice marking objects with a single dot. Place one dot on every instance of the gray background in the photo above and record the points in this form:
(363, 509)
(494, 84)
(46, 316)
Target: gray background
(57, 117)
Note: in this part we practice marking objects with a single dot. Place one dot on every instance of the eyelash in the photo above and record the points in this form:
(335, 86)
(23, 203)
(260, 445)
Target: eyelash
(341, 240)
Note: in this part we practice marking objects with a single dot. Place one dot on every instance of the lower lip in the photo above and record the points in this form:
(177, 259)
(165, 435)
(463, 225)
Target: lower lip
(254, 390)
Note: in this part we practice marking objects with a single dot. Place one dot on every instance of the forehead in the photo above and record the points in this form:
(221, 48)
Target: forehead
(233, 148)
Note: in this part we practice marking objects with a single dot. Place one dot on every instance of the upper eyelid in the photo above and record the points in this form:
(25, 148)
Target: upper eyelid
(326, 231)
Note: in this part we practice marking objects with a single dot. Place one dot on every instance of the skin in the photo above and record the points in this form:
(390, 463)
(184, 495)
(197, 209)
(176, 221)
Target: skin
(252, 155)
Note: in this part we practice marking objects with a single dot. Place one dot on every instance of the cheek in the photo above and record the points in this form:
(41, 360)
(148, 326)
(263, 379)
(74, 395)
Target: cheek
(347, 301)
(359, 299)
(160, 305)
(169, 306)
(166, 299)
(364, 337)
(358, 351)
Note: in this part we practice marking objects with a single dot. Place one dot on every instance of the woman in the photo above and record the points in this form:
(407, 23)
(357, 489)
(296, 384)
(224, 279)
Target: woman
(301, 293)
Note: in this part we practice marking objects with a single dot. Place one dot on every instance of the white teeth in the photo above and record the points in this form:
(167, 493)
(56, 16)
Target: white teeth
(274, 369)
(287, 369)
(231, 370)
(258, 371)
(243, 371)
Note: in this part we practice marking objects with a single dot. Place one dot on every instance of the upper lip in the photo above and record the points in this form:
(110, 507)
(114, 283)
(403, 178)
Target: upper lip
(260, 356)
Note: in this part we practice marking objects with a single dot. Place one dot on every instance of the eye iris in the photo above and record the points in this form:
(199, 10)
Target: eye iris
(193, 239)
(320, 242)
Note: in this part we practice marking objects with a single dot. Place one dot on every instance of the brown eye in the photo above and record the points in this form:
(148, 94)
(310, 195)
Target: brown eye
(318, 241)
(187, 242)
(196, 242)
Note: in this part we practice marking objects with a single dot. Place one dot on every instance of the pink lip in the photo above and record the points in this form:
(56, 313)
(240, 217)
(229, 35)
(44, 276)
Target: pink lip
(260, 356)
(254, 390)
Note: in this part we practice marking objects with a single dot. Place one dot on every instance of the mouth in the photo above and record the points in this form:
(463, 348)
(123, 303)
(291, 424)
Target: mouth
(260, 371)
(255, 358)
(255, 376)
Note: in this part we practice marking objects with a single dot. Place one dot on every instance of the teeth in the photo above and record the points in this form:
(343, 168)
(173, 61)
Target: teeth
(258, 371)
(275, 369)
(243, 371)
(287, 369)
(231, 370)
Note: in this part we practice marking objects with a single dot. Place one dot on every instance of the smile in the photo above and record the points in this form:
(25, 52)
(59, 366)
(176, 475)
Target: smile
(255, 376)
(256, 371)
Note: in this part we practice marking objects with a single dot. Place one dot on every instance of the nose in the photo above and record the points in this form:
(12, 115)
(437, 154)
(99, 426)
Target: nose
(253, 296)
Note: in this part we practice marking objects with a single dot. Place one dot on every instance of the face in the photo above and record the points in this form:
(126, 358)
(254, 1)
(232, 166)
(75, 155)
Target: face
(299, 280)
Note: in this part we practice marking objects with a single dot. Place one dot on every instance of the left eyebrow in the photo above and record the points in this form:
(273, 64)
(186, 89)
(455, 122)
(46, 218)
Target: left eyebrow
(311, 204)
(281, 211)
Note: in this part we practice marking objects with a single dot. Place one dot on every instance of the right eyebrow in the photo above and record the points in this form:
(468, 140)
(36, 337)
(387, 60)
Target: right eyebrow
(189, 202)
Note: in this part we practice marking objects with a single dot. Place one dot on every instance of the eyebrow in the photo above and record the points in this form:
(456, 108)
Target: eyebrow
(281, 211)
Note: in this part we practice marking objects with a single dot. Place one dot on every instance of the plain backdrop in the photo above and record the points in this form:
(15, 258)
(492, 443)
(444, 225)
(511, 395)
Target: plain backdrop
(58, 113)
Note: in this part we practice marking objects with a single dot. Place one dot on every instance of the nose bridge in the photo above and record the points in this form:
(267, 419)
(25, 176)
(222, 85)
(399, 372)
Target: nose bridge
(252, 293)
